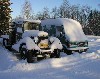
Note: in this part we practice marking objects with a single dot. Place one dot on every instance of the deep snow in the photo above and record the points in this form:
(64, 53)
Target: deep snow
(75, 66)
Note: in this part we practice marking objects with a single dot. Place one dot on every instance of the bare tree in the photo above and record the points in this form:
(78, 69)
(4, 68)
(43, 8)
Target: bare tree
(39, 16)
(46, 13)
(74, 12)
(64, 9)
(54, 13)
(43, 14)
(26, 10)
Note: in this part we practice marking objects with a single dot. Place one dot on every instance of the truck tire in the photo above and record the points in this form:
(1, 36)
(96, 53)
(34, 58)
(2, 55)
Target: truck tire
(5, 42)
(56, 54)
(52, 55)
(68, 52)
(6, 45)
(27, 54)
(31, 57)
(23, 51)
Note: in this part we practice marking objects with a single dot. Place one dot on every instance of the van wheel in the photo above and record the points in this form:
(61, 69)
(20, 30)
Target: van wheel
(68, 52)
(82, 51)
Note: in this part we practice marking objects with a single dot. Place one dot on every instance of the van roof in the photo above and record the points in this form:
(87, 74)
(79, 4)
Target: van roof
(57, 22)
(72, 28)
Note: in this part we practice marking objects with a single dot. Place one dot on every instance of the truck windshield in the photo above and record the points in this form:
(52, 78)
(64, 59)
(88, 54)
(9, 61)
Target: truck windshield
(31, 26)
(43, 38)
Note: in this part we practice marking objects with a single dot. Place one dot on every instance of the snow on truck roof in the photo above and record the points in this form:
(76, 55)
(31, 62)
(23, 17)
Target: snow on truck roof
(20, 21)
(35, 33)
(73, 29)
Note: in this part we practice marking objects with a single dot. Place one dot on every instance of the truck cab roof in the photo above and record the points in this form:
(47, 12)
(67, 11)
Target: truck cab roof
(21, 21)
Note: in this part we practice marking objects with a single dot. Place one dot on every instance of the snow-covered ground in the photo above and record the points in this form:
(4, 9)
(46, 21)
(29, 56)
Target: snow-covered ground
(75, 66)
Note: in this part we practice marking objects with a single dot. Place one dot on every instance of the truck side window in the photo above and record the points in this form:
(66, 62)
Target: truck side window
(45, 28)
(52, 30)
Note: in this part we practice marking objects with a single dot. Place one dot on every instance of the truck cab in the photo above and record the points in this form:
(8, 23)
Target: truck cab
(17, 28)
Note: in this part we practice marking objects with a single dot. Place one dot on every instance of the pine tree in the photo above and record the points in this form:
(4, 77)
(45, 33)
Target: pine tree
(4, 14)
(94, 22)
(54, 12)
(43, 14)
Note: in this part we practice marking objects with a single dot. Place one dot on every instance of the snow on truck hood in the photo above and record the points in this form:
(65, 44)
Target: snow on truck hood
(29, 44)
(55, 43)
(73, 29)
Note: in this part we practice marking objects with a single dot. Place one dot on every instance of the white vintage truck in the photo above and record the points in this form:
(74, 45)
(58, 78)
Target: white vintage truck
(35, 43)
(25, 38)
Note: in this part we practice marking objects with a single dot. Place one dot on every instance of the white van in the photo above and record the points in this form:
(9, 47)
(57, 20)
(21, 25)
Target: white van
(69, 32)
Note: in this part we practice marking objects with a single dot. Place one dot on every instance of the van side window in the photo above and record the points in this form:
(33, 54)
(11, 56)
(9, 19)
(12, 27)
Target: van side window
(60, 31)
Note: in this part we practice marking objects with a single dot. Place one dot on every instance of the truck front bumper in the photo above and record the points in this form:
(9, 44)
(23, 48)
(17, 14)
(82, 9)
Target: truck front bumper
(46, 51)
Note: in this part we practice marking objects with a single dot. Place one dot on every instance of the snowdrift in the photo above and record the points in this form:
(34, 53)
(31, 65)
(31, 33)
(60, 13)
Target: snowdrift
(75, 66)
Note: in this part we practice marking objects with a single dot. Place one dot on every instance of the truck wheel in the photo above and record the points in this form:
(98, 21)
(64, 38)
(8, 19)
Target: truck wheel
(85, 50)
(68, 52)
(6, 45)
(31, 57)
(5, 42)
(52, 55)
(23, 51)
(57, 53)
